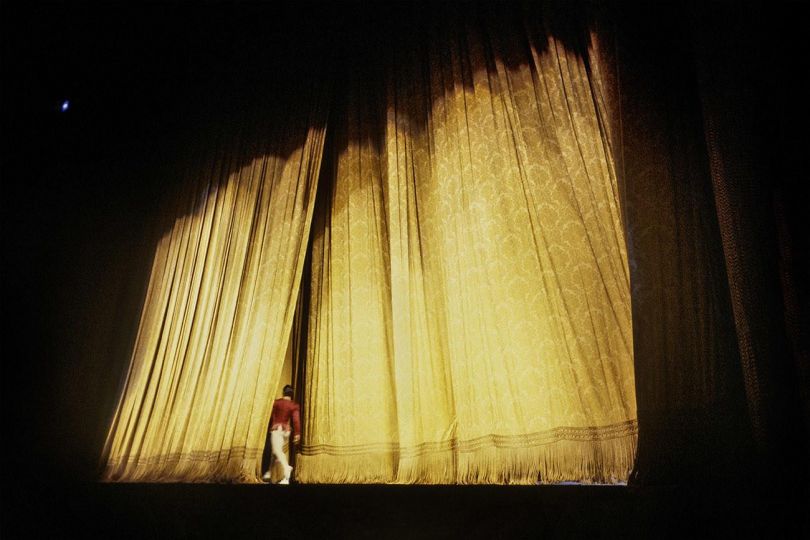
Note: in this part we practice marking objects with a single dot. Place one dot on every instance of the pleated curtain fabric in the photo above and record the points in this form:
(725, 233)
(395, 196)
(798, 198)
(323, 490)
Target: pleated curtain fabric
(351, 415)
(470, 300)
(468, 318)
(220, 302)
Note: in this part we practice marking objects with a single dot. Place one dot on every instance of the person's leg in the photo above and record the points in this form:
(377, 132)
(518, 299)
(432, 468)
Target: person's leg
(287, 468)
(275, 452)
(277, 439)
(277, 446)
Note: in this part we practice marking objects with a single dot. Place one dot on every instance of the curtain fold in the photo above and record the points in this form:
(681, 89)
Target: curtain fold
(351, 423)
(221, 298)
(492, 225)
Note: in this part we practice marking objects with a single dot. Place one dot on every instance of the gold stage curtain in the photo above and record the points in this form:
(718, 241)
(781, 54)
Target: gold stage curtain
(470, 306)
(220, 302)
(349, 379)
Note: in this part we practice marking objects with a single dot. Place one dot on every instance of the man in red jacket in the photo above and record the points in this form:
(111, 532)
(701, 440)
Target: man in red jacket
(285, 411)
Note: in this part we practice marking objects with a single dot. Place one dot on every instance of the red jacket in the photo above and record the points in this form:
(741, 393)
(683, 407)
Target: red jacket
(283, 410)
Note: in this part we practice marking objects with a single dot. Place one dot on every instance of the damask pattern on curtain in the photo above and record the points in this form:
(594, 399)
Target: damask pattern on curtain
(220, 302)
(470, 306)
(350, 413)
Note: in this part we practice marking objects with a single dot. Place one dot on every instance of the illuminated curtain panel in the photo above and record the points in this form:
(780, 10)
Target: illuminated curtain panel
(351, 429)
(524, 257)
(220, 302)
(426, 408)
(511, 338)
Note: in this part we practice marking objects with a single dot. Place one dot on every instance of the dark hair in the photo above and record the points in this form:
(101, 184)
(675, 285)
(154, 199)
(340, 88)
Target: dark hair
(288, 390)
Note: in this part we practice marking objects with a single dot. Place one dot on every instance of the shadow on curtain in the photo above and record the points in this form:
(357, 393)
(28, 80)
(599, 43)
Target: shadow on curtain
(715, 301)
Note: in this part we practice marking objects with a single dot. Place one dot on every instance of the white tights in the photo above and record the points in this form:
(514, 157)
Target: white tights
(277, 439)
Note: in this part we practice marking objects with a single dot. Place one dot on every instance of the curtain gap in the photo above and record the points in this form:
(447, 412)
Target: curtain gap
(300, 332)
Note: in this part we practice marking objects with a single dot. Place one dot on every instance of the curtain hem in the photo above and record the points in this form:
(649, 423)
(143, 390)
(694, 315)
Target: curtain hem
(603, 454)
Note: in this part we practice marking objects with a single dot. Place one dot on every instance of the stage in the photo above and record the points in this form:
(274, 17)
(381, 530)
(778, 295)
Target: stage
(374, 511)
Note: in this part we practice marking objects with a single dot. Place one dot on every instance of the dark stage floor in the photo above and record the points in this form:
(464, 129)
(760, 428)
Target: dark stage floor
(380, 511)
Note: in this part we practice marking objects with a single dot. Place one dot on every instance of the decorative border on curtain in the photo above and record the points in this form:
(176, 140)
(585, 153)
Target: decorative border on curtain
(213, 456)
(586, 454)
(601, 433)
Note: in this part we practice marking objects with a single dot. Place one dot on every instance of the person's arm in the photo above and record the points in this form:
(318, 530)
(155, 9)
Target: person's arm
(296, 421)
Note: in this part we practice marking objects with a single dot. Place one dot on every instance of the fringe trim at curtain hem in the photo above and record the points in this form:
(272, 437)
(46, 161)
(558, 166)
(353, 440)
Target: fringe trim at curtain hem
(606, 457)
(232, 465)
(587, 455)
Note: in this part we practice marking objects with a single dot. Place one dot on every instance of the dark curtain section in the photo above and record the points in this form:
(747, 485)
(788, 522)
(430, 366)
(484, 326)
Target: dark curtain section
(712, 226)
(748, 93)
(687, 369)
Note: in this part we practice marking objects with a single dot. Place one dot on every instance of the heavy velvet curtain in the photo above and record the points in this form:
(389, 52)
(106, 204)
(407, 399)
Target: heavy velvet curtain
(470, 308)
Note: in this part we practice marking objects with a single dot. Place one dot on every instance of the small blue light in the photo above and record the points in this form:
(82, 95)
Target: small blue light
(65, 105)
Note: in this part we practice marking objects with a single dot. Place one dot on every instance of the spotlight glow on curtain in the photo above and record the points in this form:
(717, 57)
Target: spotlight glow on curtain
(219, 307)
(470, 307)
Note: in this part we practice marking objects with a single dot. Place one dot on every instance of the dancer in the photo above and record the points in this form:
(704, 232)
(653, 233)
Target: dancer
(284, 410)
